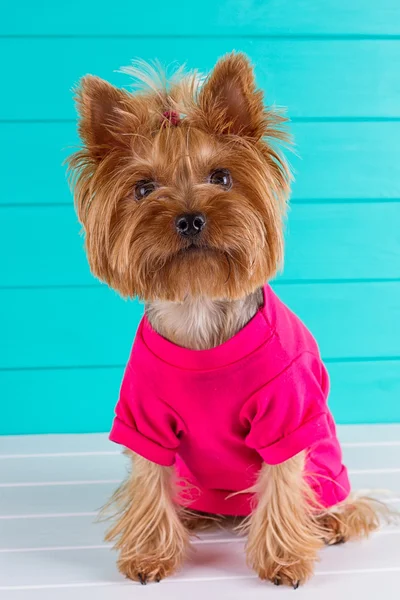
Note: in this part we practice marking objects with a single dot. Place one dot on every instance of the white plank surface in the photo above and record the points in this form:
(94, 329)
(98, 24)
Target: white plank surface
(367, 585)
(50, 545)
(91, 468)
(98, 442)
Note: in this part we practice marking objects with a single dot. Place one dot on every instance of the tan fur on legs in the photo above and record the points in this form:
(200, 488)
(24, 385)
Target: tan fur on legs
(354, 519)
(283, 533)
(149, 534)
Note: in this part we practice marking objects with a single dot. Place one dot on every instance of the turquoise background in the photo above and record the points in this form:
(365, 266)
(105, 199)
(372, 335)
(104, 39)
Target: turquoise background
(334, 63)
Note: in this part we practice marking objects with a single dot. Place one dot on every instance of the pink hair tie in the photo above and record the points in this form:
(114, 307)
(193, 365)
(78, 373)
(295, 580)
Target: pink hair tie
(171, 116)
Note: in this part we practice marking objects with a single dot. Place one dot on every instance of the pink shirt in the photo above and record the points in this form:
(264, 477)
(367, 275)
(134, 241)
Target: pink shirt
(218, 414)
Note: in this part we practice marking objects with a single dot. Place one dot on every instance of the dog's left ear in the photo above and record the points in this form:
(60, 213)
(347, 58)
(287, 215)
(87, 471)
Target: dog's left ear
(229, 102)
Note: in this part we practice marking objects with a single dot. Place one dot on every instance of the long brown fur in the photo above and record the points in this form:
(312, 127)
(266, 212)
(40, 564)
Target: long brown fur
(131, 245)
(356, 518)
(284, 535)
(199, 298)
(288, 526)
(148, 533)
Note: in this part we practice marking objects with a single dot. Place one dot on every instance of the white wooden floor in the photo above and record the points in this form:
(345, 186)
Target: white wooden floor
(50, 548)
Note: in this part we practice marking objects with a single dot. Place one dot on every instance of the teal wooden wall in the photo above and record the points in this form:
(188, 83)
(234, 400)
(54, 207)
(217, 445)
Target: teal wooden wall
(334, 63)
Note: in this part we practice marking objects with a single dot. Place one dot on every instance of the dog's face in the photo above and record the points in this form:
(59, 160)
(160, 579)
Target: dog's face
(181, 192)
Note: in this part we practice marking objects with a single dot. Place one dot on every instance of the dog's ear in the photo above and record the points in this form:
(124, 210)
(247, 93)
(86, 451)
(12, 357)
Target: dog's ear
(104, 112)
(229, 102)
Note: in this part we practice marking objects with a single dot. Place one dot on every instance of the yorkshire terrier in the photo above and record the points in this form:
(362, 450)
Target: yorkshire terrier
(181, 189)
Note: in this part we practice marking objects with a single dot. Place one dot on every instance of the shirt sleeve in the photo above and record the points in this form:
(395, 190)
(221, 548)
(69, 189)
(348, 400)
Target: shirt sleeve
(289, 414)
(144, 423)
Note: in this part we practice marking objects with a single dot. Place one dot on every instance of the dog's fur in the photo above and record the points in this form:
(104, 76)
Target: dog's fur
(200, 293)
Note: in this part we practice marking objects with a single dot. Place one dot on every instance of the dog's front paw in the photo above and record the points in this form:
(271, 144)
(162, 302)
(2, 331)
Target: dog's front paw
(157, 556)
(146, 569)
(293, 575)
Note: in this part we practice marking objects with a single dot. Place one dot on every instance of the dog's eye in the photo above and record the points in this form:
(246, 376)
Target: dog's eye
(144, 188)
(221, 177)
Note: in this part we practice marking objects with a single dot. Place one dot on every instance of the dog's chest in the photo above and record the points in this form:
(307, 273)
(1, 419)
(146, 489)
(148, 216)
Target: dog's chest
(201, 323)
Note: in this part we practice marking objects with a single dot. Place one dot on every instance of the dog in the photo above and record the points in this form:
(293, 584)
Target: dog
(182, 189)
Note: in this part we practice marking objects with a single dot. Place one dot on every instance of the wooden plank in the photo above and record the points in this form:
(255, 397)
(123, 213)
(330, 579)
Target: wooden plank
(89, 498)
(83, 399)
(48, 564)
(73, 567)
(77, 531)
(50, 443)
(46, 532)
(81, 467)
(49, 469)
(61, 499)
(52, 235)
(83, 530)
(324, 241)
(373, 434)
(336, 161)
(365, 392)
(307, 17)
(367, 584)
(28, 445)
(337, 315)
(342, 241)
(210, 561)
(71, 400)
(346, 161)
(64, 327)
(323, 78)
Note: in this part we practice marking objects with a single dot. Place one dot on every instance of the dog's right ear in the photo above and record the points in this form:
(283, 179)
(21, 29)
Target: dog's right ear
(106, 116)
(229, 102)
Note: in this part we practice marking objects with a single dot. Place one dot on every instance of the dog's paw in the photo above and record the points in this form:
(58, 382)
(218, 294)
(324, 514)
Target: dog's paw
(355, 519)
(292, 575)
(335, 531)
(148, 569)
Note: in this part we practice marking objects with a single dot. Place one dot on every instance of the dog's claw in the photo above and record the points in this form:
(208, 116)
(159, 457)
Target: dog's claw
(277, 581)
(340, 540)
(158, 578)
(142, 579)
(296, 584)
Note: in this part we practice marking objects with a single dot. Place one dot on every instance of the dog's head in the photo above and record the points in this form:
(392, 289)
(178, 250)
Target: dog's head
(181, 190)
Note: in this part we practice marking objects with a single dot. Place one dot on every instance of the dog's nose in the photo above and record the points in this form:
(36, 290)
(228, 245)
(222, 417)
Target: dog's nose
(190, 225)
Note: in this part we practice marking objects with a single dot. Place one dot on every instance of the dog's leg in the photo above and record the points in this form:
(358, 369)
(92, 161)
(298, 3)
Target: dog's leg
(148, 534)
(283, 535)
(354, 519)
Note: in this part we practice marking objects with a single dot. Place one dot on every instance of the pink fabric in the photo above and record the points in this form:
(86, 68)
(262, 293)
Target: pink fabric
(218, 414)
